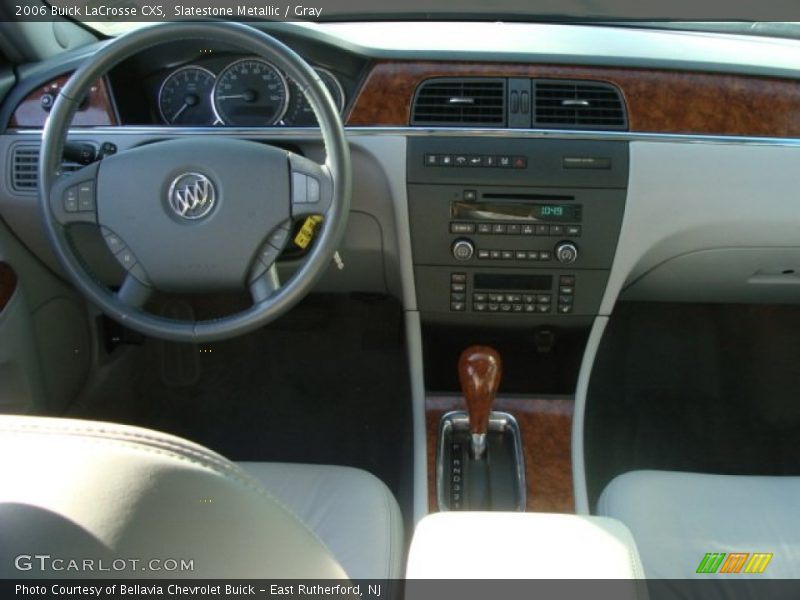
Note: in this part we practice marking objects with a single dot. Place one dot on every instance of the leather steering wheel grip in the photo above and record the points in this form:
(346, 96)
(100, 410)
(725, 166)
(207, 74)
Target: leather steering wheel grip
(337, 167)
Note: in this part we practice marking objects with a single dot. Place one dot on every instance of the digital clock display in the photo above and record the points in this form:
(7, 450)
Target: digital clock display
(522, 212)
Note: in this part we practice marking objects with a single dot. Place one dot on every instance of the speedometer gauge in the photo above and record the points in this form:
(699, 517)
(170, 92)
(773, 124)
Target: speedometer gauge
(300, 113)
(250, 93)
(185, 97)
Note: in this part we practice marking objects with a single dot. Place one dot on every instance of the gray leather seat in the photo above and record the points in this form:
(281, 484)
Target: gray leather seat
(112, 494)
(677, 518)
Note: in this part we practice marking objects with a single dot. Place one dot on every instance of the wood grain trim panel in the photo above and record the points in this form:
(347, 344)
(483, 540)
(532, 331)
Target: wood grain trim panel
(8, 284)
(658, 101)
(546, 428)
(98, 111)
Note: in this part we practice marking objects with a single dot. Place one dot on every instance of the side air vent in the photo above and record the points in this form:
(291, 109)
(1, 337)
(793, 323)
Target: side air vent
(578, 104)
(25, 165)
(460, 101)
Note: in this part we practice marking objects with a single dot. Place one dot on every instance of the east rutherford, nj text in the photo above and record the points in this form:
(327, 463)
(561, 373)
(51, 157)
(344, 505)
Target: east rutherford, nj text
(322, 590)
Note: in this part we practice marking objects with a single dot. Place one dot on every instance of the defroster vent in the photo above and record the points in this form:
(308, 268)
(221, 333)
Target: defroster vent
(460, 101)
(578, 104)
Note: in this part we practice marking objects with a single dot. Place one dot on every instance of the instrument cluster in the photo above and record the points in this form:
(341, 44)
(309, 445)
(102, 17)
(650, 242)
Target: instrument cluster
(239, 92)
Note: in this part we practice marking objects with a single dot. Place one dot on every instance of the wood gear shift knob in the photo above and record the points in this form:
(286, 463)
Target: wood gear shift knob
(479, 371)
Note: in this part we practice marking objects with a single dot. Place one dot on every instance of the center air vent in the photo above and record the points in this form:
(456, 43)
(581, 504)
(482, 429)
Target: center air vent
(578, 104)
(460, 101)
(25, 165)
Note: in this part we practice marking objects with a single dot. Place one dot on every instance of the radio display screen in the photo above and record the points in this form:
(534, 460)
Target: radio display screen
(532, 283)
(518, 211)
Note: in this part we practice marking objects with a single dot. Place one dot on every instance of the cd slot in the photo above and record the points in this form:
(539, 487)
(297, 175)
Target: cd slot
(518, 197)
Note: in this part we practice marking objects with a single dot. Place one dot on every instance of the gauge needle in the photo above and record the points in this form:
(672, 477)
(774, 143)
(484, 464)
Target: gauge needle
(180, 112)
(248, 96)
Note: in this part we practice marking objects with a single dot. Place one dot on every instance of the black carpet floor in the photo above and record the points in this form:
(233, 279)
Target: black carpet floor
(326, 384)
(705, 388)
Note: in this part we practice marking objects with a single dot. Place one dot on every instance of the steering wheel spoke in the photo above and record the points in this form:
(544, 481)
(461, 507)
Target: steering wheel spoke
(134, 292)
(312, 187)
(73, 197)
(265, 285)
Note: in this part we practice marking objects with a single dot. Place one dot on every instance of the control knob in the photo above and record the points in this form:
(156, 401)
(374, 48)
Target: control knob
(566, 252)
(463, 249)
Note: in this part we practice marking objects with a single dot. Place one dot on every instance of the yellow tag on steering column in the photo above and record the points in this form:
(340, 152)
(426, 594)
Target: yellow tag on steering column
(307, 231)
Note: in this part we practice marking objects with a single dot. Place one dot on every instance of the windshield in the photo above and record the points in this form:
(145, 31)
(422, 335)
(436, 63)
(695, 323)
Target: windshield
(113, 17)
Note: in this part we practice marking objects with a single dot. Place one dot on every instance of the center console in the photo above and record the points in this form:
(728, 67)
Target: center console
(514, 231)
(513, 241)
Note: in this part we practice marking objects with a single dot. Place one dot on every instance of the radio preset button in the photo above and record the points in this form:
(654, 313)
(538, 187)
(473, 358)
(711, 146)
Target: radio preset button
(542, 230)
(556, 230)
(498, 228)
(527, 230)
(462, 227)
(513, 229)
(484, 228)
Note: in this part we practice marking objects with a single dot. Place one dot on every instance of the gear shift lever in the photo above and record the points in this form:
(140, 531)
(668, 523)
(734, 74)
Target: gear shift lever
(479, 370)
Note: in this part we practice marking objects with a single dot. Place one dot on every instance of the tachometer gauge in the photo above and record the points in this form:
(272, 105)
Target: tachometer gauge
(185, 97)
(300, 113)
(250, 93)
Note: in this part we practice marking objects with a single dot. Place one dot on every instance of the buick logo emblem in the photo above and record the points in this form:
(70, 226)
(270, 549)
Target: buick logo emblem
(192, 196)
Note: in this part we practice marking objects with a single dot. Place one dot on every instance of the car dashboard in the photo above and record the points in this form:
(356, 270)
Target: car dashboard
(508, 176)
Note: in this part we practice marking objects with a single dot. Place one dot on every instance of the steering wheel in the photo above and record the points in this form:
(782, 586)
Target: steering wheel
(197, 213)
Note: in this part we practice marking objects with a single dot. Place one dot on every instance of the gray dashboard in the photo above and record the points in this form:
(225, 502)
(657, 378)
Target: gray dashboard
(705, 217)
